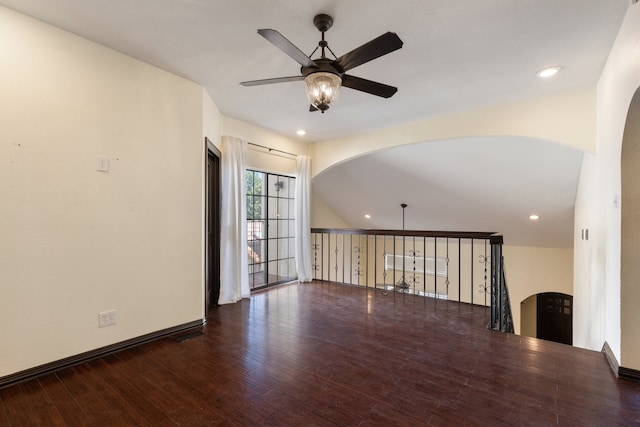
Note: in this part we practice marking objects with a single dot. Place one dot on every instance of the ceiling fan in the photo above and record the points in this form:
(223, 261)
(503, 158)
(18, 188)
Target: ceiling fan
(324, 76)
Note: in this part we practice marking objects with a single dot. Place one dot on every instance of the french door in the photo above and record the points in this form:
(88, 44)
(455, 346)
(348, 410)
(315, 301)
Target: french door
(270, 228)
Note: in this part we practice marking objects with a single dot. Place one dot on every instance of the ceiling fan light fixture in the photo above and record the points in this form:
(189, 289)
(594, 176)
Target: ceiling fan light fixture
(323, 88)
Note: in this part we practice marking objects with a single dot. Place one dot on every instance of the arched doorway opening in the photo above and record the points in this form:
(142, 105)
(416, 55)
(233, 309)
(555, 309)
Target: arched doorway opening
(630, 238)
(548, 316)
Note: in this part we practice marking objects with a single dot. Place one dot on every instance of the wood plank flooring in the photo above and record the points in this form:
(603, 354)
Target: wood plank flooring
(324, 354)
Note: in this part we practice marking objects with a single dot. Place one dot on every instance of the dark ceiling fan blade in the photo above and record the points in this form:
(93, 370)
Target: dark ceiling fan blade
(377, 47)
(287, 47)
(368, 86)
(312, 108)
(270, 81)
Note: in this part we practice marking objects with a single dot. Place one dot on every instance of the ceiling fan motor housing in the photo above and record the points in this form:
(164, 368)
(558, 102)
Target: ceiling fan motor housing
(324, 65)
(323, 22)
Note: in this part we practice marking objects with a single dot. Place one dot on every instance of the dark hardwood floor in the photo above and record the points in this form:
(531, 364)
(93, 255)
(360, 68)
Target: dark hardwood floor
(260, 280)
(324, 354)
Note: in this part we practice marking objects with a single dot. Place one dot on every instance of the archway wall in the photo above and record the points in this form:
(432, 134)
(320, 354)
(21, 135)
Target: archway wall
(534, 270)
(630, 240)
(597, 260)
(567, 118)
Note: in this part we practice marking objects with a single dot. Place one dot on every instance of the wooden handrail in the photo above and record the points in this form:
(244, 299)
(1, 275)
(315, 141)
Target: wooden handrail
(493, 237)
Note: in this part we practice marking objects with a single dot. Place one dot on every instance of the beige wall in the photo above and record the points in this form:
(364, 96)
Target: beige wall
(261, 159)
(323, 216)
(75, 241)
(529, 317)
(597, 302)
(211, 120)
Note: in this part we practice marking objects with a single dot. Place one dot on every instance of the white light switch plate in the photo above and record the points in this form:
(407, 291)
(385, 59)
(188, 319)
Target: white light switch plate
(102, 164)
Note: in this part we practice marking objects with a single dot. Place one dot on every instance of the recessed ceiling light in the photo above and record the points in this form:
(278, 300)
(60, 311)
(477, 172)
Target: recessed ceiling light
(534, 217)
(367, 216)
(548, 72)
(301, 132)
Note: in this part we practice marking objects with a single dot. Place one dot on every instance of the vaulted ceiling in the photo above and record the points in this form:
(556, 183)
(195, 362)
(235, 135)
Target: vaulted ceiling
(471, 184)
(457, 56)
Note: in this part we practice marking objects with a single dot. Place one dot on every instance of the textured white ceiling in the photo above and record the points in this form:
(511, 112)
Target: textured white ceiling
(457, 56)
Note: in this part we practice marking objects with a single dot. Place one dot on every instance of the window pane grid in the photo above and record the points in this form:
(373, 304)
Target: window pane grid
(270, 228)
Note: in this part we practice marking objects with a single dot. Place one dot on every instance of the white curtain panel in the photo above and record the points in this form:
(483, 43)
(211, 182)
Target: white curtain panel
(303, 219)
(234, 264)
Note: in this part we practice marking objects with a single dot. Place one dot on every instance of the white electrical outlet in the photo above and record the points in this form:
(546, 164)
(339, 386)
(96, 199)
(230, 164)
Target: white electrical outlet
(107, 318)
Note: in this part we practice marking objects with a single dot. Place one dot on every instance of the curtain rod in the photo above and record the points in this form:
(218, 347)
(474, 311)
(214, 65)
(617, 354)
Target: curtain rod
(272, 149)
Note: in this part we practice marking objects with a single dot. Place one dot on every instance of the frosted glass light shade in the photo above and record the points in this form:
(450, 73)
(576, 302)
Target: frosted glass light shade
(322, 89)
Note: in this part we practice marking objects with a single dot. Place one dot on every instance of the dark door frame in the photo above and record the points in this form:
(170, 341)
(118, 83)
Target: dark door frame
(212, 185)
